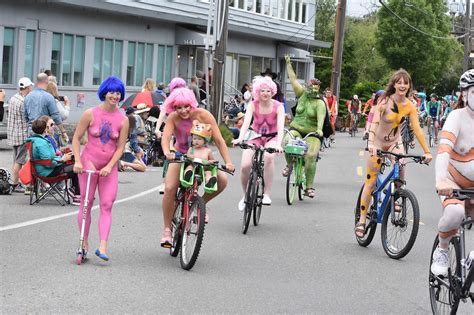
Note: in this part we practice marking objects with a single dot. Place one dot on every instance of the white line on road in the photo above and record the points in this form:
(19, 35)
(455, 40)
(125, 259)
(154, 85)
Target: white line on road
(359, 171)
(361, 153)
(54, 217)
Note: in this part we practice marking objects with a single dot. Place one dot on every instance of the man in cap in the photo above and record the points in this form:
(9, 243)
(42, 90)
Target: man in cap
(279, 94)
(39, 103)
(17, 129)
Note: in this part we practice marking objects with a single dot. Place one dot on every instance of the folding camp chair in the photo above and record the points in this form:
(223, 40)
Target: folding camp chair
(44, 186)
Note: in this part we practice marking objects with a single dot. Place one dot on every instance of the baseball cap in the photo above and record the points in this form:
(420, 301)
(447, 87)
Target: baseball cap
(24, 82)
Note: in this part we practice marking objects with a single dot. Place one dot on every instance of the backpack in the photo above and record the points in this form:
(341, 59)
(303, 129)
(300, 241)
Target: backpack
(5, 177)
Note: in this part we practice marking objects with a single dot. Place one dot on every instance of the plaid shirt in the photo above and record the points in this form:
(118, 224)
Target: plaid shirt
(17, 128)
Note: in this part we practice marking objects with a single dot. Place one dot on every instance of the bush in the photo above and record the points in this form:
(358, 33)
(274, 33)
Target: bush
(226, 134)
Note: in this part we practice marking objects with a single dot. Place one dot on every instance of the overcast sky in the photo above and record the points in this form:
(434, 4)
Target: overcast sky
(360, 7)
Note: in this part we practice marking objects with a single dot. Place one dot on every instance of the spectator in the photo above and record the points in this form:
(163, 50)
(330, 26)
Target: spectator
(62, 102)
(239, 120)
(17, 129)
(160, 89)
(331, 102)
(141, 115)
(132, 155)
(149, 85)
(39, 102)
(248, 98)
(279, 94)
(2, 100)
(195, 88)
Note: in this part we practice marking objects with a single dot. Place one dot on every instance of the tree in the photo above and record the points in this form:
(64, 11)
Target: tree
(324, 30)
(425, 57)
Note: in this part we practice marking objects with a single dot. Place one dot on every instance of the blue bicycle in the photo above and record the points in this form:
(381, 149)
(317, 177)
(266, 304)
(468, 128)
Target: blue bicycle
(394, 206)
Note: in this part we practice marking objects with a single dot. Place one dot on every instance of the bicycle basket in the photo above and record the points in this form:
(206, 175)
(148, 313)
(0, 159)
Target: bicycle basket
(296, 147)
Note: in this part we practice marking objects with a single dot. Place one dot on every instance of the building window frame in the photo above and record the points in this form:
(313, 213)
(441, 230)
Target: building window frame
(8, 66)
(59, 71)
(115, 62)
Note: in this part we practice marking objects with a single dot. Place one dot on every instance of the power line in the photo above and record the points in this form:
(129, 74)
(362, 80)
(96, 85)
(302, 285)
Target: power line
(417, 29)
(297, 31)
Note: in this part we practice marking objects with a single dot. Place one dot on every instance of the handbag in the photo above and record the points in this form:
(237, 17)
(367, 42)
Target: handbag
(25, 173)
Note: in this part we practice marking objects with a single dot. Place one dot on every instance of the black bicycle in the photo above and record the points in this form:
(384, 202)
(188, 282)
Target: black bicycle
(447, 291)
(407, 135)
(256, 185)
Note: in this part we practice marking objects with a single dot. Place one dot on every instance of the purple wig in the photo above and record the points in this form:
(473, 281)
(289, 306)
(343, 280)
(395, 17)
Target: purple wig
(111, 84)
(261, 83)
(179, 97)
(176, 83)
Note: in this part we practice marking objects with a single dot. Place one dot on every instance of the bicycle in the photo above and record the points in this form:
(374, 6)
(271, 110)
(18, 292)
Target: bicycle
(296, 149)
(447, 291)
(255, 184)
(392, 205)
(354, 123)
(431, 131)
(187, 225)
(407, 135)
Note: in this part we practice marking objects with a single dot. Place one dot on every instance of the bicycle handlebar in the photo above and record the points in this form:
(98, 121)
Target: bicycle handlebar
(201, 162)
(245, 145)
(315, 134)
(416, 158)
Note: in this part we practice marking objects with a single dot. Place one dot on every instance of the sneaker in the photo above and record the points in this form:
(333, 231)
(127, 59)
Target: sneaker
(242, 204)
(266, 200)
(161, 188)
(440, 264)
(19, 188)
(75, 201)
(285, 171)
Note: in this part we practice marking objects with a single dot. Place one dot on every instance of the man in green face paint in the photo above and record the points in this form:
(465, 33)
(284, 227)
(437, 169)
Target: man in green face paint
(310, 114)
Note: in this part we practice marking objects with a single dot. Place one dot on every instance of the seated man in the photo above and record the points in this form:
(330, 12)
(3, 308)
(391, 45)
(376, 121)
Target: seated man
(132, 155)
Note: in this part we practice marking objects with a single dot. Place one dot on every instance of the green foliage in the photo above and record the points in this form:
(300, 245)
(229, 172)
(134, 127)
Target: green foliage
(424, 57)
(226, 134)
(364, 89)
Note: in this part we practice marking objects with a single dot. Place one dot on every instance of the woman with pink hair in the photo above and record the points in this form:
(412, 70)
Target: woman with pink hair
(182, 110)
(174, 84)
(268, 120)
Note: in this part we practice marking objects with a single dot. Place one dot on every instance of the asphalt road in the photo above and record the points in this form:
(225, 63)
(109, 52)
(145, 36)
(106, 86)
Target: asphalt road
(300, 259)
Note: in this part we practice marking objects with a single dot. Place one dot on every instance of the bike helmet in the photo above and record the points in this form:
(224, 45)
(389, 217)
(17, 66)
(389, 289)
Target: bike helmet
(201, 130)
(467, 80)
(433, 95)
(5, 178)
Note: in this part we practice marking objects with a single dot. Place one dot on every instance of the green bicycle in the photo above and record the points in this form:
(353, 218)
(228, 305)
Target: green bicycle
(296, 149)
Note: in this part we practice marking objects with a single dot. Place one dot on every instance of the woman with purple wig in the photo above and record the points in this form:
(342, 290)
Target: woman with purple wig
(268, 120)
(182, 111)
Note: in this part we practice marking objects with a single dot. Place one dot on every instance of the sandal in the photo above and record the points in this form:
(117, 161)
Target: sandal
(359, 230)
(310, 192)
(166, 238)
(285, 171)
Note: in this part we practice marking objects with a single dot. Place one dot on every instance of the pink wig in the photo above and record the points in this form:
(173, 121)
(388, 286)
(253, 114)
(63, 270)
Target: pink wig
(262, 83)
(180, 96)
(176, 83)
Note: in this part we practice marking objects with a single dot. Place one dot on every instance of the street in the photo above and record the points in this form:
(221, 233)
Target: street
(300, 259)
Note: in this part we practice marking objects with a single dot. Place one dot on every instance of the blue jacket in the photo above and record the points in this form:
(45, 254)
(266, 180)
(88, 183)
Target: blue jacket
(43, 150)
(38, 103)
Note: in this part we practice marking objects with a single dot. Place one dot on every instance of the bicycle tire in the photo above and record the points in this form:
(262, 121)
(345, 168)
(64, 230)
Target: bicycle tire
(392, 248)
(176, 226)
(291, 185)
(257, 208)
(442, 297)
(249, 201)
(196, 223)
(370, 223)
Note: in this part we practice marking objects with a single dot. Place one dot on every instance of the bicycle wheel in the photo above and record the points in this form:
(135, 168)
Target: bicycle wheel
(176, 226)
(399, 232)
(249, 201)
(301, 182)
(443, 290)
(370, 223)
(193, 233)
(291, 184)
(257, 207)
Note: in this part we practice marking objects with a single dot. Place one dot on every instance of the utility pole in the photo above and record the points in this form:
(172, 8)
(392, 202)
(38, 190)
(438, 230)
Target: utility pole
(338, 46)
(218, 82)
(467, 37)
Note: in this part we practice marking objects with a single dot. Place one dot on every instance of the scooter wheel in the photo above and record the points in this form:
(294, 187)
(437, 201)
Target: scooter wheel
(79, 259)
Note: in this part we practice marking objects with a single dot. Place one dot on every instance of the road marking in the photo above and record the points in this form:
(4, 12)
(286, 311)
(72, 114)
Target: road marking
(361, 153)
(359, 171)
(55, 217)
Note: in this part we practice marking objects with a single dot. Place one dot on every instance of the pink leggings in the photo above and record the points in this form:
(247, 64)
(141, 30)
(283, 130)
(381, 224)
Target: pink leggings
(107, 193)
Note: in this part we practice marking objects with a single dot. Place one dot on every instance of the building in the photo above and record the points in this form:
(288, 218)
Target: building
(85, 41)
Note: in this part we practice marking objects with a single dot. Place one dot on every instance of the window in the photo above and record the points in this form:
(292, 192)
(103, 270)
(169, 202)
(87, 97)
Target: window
(131, 64)
(244, 70)
(291, 11)
(267, 63)
(29, 53)
(139, 65)
(250, 5)
(257, 66)
(304, 12)
(160, 64)
(267, 7)
(168, 63)
(281, 9)
(107, 59)
(7, 59)
(148, 60)
(67, 59)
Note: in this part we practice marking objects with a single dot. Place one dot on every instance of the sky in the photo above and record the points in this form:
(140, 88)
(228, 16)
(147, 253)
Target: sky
(358, 8)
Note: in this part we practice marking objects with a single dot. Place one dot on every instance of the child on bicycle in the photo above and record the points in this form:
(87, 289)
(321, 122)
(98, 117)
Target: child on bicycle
(384, 134)
(454, 170)
(200, 135)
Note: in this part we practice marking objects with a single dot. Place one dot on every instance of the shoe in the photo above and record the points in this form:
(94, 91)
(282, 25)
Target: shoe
(285, 171)
(28, 190)
(440, 264)
(101, 255)
(242, 204)
(211, 182)
(76, 201)
(19, 188)
(266, 200)
(187, 175)
(166, 238)
(161, 188)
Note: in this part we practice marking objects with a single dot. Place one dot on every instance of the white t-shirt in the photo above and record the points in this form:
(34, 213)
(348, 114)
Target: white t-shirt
(247, 99)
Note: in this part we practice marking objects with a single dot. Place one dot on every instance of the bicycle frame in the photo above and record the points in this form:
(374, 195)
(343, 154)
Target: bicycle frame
(380, 188)
(466, 279)
(257, 164)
